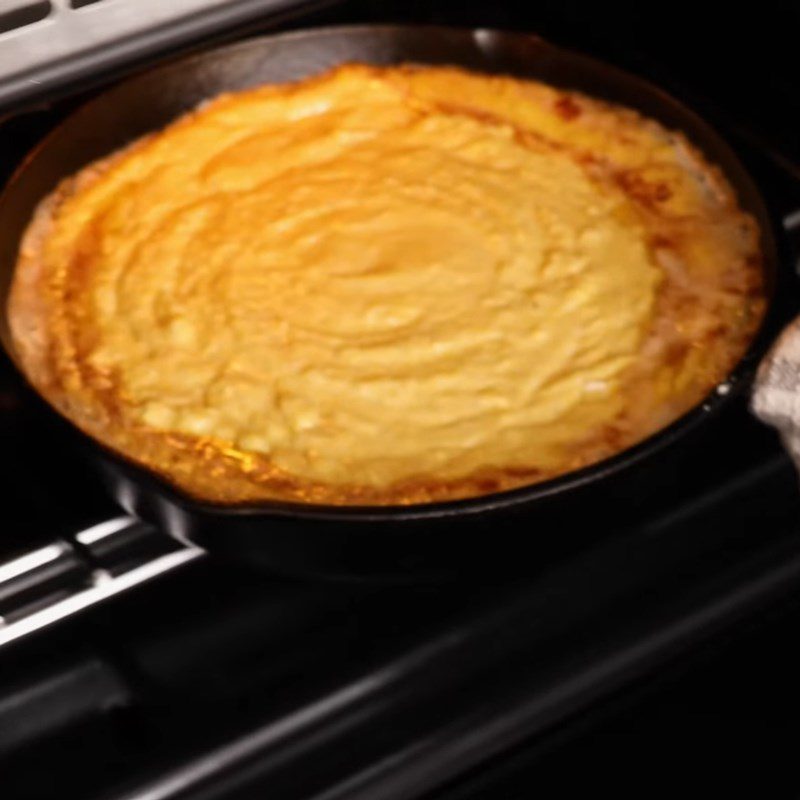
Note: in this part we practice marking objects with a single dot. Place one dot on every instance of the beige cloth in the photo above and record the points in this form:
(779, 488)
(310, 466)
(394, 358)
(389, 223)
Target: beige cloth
(776, 394)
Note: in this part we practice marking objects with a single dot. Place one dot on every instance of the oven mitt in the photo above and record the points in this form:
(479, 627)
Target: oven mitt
(776, 393)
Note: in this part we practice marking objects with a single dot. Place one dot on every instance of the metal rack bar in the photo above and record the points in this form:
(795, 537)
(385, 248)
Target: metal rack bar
(48, 45)
(58, 580)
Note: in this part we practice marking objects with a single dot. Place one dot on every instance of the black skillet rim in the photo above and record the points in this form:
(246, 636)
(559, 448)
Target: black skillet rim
(737, 381)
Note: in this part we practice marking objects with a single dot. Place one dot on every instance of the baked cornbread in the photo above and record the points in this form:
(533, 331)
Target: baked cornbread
(386, 285)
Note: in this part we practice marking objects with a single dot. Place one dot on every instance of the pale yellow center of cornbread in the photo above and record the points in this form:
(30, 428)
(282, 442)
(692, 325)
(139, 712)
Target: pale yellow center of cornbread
(362, 290)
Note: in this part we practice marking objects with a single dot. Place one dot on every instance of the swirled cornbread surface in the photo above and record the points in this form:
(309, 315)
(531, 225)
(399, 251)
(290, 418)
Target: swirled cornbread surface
(386, 285)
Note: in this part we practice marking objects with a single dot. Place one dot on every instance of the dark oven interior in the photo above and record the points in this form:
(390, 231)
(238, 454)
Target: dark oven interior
(133, 667)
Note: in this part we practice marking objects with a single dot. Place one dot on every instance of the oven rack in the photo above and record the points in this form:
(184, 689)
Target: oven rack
(50, 583)
(486, 669)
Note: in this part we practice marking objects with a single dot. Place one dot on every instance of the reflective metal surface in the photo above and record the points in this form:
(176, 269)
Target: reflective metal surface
(47, 45)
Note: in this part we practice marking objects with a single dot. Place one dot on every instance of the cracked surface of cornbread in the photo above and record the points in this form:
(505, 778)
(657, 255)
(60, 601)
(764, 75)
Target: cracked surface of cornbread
(386, 285)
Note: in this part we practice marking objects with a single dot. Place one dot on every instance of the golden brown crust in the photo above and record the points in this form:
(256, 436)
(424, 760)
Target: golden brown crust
(704, 317)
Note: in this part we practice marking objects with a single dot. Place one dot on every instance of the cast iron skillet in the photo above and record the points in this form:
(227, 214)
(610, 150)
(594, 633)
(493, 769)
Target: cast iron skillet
(383, 541)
